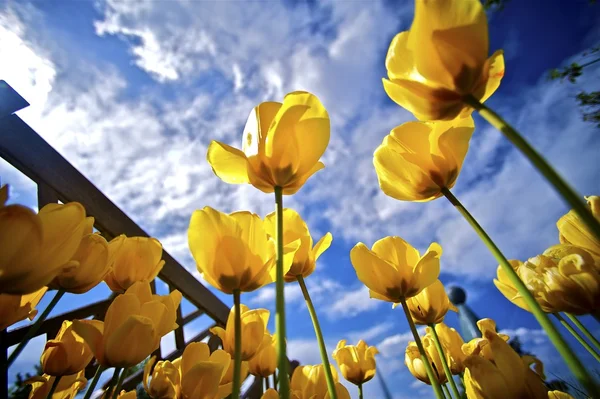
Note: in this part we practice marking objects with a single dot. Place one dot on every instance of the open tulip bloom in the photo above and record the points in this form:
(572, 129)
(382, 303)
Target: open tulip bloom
(357, 363)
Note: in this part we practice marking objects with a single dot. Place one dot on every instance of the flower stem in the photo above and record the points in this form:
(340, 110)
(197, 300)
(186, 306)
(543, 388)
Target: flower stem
(574, 200)
(111, 384)
(584, 330)
(282, 360)
(440, 350)
(578, 337)
(90, 390)
(34, 328)
(54, 385)
(119, 383)
(559, 343)
(432, 378)
(237, 365)
(447, 391)
(360, 391)
(319, 334)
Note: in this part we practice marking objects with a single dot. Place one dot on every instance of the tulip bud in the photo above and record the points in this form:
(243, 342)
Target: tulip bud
(430, 305)
(452, 344)
(201, 371)
(165, 380)
(413, 361)
(264, 362)
(573, 231)
(66, 354)
(270, 394)
(310, 381)
(357, 363)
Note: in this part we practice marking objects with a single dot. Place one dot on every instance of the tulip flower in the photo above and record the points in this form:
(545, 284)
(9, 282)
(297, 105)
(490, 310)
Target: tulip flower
(563, 279)
(452, 343)
(264, 362)
(226, 383)
(442, 59)
(67, 387)
(66, 354)
(201, 371)
(394, 270)
(127, 395)
(295, 229)
(254, 326)
(163, 381)
(559, 395)
(281, 145)
(309, 382)
(419, 159)
(36, 248)
(357, 363)
(430, 305)
(340, 391)
(92, 264)
(270, 394)
(137, 317)
(234, 252)
(481, 345)
(573, 230)
(133, 259)
(414, 362)
(14, 308)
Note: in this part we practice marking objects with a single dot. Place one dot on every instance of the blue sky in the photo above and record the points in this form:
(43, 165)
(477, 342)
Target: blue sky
(131, 93)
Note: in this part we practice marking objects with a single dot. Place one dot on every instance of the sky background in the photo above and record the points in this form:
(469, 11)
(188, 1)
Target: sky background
(132, 92)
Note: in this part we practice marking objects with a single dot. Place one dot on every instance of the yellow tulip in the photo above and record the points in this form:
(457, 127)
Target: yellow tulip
(127, 395)
(14, 308)
(419, 159)
(264, 362)
(165, 380)
(340, 390)
(226, 384)
(394, 270)
(270, 394)
(234, 252)
(281, 146)
(357, 363)
(481, 346)
(92, 259)
(133, 326)
(563, 279)
(559, 395)
(452, 344)
(442, 59)
(308, 382)
(67, 353)
(506, 376)
(572, 230)
(430, 305)
(412, 359)
(36, 248)
(67, 387)
(201, 371)
(133, 259)
(295, 229)
(254, 326)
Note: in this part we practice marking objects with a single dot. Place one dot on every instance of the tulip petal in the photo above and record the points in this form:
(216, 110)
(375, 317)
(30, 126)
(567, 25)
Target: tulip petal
(131, 342)
(399, 60)
(122, 307)
(202, 381)
(377, 274)
(257, 127)
(322, 245)
(299, 182)
(396, 251)
(92, 332)
(253, 232)
(495, 74)
(194, 353)
(427, 269)
(228, 163)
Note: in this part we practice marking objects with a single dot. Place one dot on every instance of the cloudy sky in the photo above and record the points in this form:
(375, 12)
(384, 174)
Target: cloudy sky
(132, 92)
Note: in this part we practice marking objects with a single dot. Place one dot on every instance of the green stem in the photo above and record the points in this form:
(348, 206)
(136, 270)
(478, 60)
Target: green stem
(282, 360)
(574, 200)
(447, 392)
(584, 330)
(560, 344)
(117, 390)
(319, 334)
(438, 346)
(54, 386)
(237, 365)
(432, 378)
(578, 337)
(34, 328)
(111, 384)
(360, 391)
(90, 390)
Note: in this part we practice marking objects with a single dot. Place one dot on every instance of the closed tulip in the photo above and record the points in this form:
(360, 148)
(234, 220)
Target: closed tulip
(226, 383)
(201, 371)
(412, 359)
(270, 394)
(133, 326)
(67, 353)
(163, 381)
(394, 270)
(357, 363)
(14, 308)
(419, 159)
(572, 230)
(295, 229)
(308, 382)
(481, 346)
(281, 145)
(133, 259)
(442, 59)
(234, 252)
(264, 362)
(67, 387)
(254, 326)
(452, 344)
(430, 305)
(563, 279)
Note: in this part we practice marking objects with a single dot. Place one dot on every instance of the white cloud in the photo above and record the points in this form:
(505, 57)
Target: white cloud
(350, 303)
